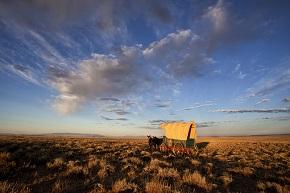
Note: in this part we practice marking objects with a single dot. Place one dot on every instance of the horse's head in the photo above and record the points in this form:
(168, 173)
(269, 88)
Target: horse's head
(149, 136)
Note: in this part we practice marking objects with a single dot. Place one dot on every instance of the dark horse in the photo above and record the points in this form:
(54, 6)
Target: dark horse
(154, 142)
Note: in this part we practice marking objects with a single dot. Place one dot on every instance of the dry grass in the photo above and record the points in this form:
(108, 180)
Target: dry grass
(6, 187)
(272, 187)
(123, 186)
(56, 164)
(195, 163)
(168, 173)
(225, 179)
(156, 186)
(66, 164)
(59, 186)
(197, 180)
(155, 164)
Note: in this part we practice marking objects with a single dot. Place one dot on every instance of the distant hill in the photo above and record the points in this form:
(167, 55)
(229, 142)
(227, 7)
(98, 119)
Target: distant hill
(75, 135)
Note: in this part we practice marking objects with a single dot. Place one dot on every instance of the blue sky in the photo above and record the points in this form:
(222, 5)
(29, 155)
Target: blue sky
(124, 67)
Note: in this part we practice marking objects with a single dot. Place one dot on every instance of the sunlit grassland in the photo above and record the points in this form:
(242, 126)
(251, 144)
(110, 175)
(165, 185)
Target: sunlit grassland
(71, 164)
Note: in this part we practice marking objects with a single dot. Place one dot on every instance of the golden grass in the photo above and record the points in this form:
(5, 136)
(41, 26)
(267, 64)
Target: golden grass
(225, 179)
(123, 186)
(168, 173)
(195, 163)
(155, 164)
(56, 163)
(197, 180)
(90, 165)
(156, 186)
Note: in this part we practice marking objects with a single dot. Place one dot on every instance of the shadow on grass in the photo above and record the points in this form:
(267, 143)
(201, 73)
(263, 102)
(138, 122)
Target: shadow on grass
(202, 145)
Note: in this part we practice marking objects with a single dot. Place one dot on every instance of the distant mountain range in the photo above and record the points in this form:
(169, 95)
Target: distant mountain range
(74, 134)
(59, 134)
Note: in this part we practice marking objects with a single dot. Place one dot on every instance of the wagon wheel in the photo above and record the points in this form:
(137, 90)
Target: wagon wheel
(188, 151)
(178, 149)
(163, 147)
(192, 152)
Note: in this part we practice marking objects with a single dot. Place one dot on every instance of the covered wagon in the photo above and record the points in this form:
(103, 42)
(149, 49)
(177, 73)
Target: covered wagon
(179, 136)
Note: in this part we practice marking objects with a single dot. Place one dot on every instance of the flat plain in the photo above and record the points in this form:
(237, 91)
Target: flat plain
(78, 164)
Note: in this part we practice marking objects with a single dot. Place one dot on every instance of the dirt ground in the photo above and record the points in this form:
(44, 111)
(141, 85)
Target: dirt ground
(71, 164)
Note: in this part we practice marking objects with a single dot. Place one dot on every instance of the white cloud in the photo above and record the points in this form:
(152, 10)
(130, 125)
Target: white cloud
(238, 72)
(65, 104)
(241, 75)
(110, 75)
(237, 68)
(99, 76)
(173, 40)
(225, 26)
(219, 71)
(181, 53)
(217, 15)
(263, 101)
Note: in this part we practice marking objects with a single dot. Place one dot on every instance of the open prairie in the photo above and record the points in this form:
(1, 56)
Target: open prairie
(71, 164)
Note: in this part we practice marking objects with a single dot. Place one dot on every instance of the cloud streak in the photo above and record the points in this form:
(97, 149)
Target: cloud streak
(206, 124)
(23, 72)
(279, 82)
(112, 119)
(280, 118)
(118, 111)
(162, 104)
(277, 110)
(157, 122)
(263, 101)
(109, 99)
(196, 107)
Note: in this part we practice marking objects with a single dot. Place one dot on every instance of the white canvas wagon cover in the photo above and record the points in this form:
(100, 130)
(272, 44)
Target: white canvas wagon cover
(179, 130)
